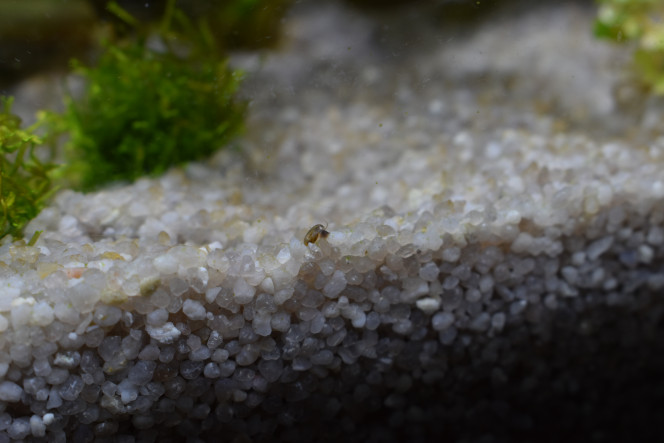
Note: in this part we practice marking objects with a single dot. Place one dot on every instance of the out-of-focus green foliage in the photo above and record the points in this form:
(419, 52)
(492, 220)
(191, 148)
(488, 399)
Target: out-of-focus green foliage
(159, 95)
(640, 21)
(246, 24)
(154, 100)
(25, 185)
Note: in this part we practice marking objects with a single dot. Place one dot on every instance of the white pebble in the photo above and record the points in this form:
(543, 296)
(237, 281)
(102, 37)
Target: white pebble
(359, 319)
(435, 106)
(451, 254)
(599, 247)
(335, 285)
(243, 292)
(337, 238)
(167, 333)
(20, 315)
(429, 272)
(450, 282)
(10, 391)
(428, 305)
(522, 243)
(218, 261)
(194, 310)
(578, 258)
(211, 370)
(211, 294)
(261, 324)
(282, 295)
(473, 295)
(658, 189)
(646, 254)
(48, 418)
(166, 264)
(373, 321)
(284, 255)
(54, 400)
(655, 236)
(42, 314)
(220, 355)
(107, 315)
(128, 391)
(19, 429)
(442, 321)
(267, 285)
(486, 283)
(327, 267)
(37, 426)
(10, 288)
(157, 317)
(571, 274)
(513, 217)
(280, 321)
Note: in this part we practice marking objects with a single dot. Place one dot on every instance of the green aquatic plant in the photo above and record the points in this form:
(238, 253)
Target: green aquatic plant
(25, 182)
(248, 24)
(155, 99)
(641, 22)
(245, 24)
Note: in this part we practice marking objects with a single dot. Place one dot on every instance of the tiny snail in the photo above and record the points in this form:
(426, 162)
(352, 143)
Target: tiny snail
(316, 232)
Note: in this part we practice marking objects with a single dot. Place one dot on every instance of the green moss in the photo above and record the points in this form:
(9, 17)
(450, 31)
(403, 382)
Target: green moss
(642, 22)
(247, 23)
(160, 96)
(25, 184)
(145, 109)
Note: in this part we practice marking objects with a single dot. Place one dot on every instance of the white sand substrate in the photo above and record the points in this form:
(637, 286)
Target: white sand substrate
(494, 193)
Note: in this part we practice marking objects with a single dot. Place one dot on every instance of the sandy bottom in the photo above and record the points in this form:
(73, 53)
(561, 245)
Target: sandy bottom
(492, 194)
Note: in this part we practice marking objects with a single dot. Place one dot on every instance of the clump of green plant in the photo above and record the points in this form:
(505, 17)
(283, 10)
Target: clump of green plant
(642, 22)
(154, 100)
(246, 23)
(25, 184)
